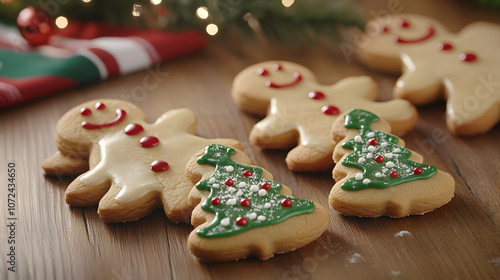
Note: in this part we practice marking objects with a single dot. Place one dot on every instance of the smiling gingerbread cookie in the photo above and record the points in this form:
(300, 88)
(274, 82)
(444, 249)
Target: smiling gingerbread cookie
(464, 68)
(301, 111)
(135, 167)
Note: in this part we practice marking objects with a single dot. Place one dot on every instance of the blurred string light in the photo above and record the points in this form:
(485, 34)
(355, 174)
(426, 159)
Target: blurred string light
(287, 3)
(202, 12)
(61, 22)
(86, 1)
(136, 10)
(212, 29)
(155, 2)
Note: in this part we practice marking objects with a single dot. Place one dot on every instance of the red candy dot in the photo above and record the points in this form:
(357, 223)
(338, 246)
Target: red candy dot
(265, 186)
(444, 46)
(149, 142)
(262, 72)
(330, 110)
(286, 202)
(245, 202)
(133, 129)
(405, 24)
(373, 142)
(229, 182)
(277, 67)
(247, 173)
(393, 174)
(417, 171)
(159, 166)
(467, 57)
(379, 159)
(385, 30)
(317, 95)
(215, 201)
(85, 111)
(100, 106)
(241, 221)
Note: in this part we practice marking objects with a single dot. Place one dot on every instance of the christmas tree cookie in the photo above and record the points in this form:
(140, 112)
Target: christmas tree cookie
(377, 176)
(462, 68)
(135, 167)
(300, 111)
(240, 212)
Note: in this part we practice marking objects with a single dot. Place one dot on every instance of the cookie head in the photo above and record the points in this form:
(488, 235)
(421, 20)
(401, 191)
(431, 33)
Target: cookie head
(90, 121)
(263, 81)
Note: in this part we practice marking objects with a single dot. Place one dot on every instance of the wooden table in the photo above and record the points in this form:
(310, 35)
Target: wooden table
(55, 241)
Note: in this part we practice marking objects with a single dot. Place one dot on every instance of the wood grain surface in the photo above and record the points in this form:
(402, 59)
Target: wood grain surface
(55, 241)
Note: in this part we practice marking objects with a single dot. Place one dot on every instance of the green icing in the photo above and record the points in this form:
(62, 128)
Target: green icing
(378, 172)
(268, 206)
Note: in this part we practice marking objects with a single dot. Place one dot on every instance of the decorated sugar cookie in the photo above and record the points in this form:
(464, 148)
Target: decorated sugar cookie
(377, 176)
(462, 67)
(135, 167)
(240, 212)
(301, 112)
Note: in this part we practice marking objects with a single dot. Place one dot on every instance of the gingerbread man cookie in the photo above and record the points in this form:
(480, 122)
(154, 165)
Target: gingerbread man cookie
(301, 111)
(240, 212)
(464, 68)
(135, 167)
(376, 176)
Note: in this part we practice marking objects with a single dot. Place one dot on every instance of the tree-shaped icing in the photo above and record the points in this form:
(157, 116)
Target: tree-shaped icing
(384, 164)
(240, 198)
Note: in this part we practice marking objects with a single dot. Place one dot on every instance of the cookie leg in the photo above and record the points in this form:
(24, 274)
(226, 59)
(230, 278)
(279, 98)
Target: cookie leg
(306, 159)
(79, 194)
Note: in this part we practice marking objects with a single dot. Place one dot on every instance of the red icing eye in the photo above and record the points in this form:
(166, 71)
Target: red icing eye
(245, 202)
(159, 166)
(149, 142)
(215, 201)
(265, 186)
(417, 171)
(373, 142)
(85, 111)
(277, 67)
(229, 182)
(379, 159)
(385, 29)
(100, 106)
(444, 46)
(286, 202)
(467, 57)
(405, 24)
(317, 95)
(247, 173)
(241, 221)
(330, 110)
(393, 174)
(262, 72)
(133, 129)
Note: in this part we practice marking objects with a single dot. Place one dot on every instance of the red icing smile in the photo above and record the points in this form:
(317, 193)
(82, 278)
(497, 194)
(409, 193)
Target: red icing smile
(430, 33)
(120, 116)
(297, 76)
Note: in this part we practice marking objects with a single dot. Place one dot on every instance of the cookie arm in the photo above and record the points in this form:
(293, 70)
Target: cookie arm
(60, 165)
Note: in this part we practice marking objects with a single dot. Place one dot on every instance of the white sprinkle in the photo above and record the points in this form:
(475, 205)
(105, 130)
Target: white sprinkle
(358, 139)
(267, 205)
(231, 201)
(261, 218)
(242, 184)
(359, 176)
(225, 222)
(239, 193)
(361, 160)
(388, 155)
(390, 164)
(229, 169)
(402, 233)
(371, 149)
(384, 144)
(211, 181)
(254, 188)
(366, 181)
(370, 134)
(378, 174)
(215, 186)
(252, 216)
(262, 193)
(231, 189)
(369, 155)
(397, 150)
